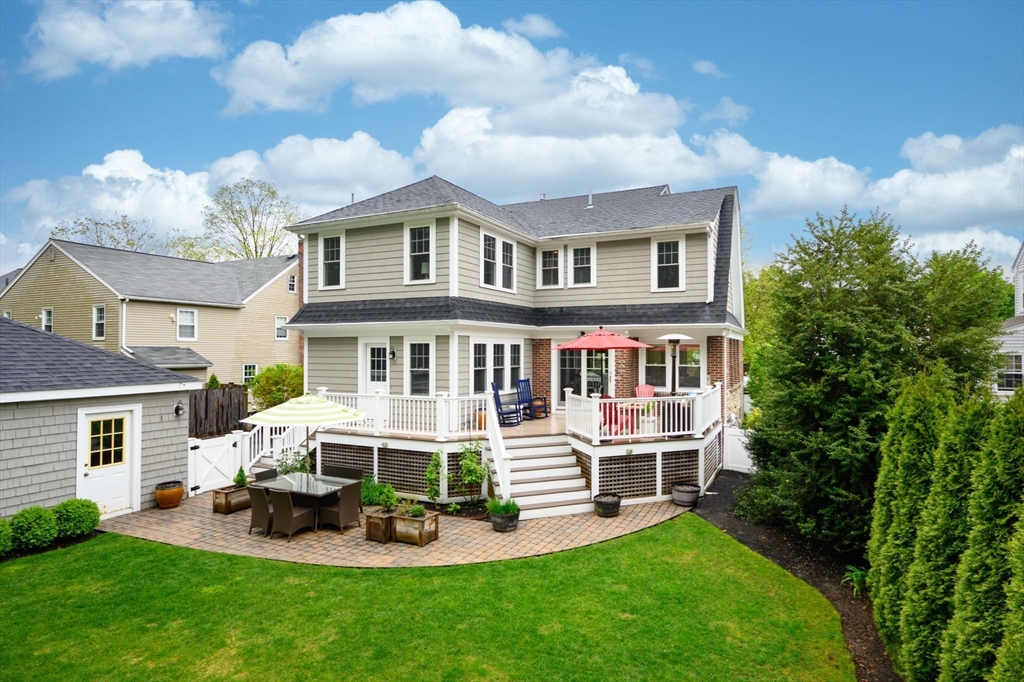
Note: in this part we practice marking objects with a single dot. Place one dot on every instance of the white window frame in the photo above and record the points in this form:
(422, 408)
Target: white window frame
(95, 309)
(255, 371)
(407, 256)
(407, 363)
(320, 261)
(490, 343)
(570, 266)
(499, 265)
(42, 320)
(293, 284)
(195, 324)
(8, 314)
(561, 268)
(681, 240)
(667, 366)
(1002, 371)
(278, 324)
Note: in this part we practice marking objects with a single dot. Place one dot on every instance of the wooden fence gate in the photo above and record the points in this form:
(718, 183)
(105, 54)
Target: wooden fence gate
(215, 412)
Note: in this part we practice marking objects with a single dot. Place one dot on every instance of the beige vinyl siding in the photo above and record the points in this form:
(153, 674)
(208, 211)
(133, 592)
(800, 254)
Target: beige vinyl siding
(464, 364)
(469, 268)
(624, 275)
(72, 292)
(396, 383)
(254, 337)
(199, 373)
(441, 363)
(334, 363)
(527, 355)
(374, 258)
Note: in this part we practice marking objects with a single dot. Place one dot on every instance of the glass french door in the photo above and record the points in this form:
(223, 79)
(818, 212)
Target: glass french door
(571, 374)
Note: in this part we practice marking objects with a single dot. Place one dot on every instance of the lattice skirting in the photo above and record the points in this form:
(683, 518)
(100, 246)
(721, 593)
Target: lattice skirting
(629, 475)
(583, 460)
(713, 456)
(679, 466)
(340, 454)
(456, 486)
(403, 469)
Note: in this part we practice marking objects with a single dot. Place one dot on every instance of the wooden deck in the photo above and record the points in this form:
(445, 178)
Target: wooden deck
(549, 426)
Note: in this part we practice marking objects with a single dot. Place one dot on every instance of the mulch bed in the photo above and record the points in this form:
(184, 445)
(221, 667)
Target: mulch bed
(59, 543)
(818, 566)
(477, 512)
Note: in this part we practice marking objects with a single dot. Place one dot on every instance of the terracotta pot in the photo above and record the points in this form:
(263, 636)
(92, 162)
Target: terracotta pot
(685, 494)
(607, 504)
(169, 493)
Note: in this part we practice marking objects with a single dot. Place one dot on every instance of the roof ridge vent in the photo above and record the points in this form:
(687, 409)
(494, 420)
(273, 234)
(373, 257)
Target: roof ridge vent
(666, 191)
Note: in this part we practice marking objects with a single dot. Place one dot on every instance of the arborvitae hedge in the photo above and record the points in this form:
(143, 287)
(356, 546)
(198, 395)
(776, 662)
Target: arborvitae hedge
(904, 482)
(969, 644)
(1010, 657)
(941, 539)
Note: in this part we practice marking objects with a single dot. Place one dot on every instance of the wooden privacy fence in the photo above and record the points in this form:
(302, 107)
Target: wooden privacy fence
(214, 412)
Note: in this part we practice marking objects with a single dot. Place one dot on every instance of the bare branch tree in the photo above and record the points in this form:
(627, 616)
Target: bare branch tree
(122, 232)
(247, 220)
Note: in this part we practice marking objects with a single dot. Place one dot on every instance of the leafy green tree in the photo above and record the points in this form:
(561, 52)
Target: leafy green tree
(121, 232)
(247, 220)
(1010, 657)
(757, 313)
(941, 538)
(979, 602)
(1008, 306)
(904, 480)
(276, 384)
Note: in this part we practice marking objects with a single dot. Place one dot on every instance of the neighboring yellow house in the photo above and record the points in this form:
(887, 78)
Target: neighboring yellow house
(193, 317)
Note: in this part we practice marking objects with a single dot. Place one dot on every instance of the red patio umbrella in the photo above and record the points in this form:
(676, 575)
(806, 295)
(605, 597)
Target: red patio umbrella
(601, 340)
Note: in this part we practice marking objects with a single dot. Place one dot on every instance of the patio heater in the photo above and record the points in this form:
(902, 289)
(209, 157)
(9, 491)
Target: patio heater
(673, 343)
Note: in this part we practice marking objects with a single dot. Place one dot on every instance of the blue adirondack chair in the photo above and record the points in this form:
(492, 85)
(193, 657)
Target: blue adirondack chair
(532, 408)
(508, 415)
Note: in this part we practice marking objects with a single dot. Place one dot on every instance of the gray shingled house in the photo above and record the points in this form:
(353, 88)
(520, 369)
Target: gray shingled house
(79, 421)
(416, 300)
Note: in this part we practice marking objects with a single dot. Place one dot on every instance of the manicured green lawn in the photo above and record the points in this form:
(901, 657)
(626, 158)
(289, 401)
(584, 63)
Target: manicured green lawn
(678, 601)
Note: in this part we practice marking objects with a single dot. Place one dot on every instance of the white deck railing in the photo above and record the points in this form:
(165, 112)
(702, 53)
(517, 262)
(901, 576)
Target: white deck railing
(496, 448)
(595, 419)
(442, 417)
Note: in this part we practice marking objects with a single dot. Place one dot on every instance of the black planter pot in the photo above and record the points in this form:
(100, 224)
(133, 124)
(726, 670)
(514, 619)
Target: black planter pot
(505, 523)
(607, 505)
(685, 494)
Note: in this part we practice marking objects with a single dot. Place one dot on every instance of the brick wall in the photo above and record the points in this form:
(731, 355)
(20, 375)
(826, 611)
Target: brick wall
(734, 388)
(717, 368)
(540, 380)
(627, 372)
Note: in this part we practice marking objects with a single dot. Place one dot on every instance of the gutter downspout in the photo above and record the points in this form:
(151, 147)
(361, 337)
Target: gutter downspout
(124, 326)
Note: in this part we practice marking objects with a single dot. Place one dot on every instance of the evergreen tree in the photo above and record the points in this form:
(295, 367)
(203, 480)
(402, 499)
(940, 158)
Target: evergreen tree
(941, 539)
(904, 481)
(1010, 657)
(979, 603)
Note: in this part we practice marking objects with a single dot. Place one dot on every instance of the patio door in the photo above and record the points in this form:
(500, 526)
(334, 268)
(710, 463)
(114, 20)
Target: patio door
(377, 368)
(105, 460)
(571, 364)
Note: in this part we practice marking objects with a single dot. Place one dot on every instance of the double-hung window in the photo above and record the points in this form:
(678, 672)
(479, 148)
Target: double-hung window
(188, 326)
(280, 330)
(667, 273)
(47, 318)
(419, 254)
(654, 367)
(419, 369)
(689, 367)
(1012, 374)
(498, 366)
(583, 271)
(549, 266)
(292, 284)
(99, 322)
(332, 267)
(497, 263)
(480, 368)
(249, 372)
(500, 362)
(515, 364)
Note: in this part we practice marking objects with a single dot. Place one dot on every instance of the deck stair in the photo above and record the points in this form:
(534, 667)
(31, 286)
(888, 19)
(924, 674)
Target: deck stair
(545, 478)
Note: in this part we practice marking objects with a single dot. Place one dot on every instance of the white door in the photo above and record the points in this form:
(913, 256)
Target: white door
(377, 369)
(106, 461)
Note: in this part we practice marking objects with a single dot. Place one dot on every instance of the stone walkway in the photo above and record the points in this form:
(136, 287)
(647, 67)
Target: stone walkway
(462, 541)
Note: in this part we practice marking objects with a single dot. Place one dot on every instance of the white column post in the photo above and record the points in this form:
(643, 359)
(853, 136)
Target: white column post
(275, 446)
(595, 418)
(192, 443)
(568, 410)
(375, 463)
(697, 414)
(321, 392)
(441, 410)
(659, 477)
(378, 408)
(595, 475)
(700, 467)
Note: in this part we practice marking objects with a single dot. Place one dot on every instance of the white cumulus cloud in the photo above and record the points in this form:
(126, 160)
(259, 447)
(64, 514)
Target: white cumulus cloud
(707, 68)
(534, 26)
(728, 111)
(1001, 248)
(66, 35)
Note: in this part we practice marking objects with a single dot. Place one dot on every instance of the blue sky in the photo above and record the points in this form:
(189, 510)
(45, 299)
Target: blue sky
(146, 108)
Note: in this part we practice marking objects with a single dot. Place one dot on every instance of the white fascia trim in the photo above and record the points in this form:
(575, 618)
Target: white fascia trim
(305, 269)
(270, 281)
(407, 257)
(570, 260)
(388, 218)
(178, 301)
(681, 240)
(73, 393)
(342, 239)
(560, 249)
(628, 233)
(77, 262)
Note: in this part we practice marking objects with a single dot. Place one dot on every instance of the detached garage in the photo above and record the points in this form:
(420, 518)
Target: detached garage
(78, 421)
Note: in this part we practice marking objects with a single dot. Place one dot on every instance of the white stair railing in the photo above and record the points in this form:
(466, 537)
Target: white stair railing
(502, 460)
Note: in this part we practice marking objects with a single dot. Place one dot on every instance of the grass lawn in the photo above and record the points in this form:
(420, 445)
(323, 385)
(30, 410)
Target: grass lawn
(678, 601)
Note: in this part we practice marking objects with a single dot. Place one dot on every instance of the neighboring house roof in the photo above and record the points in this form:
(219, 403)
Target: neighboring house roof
(7, 278)
(32, 360)
(150, 276)
(170, 357)
(1013, 322)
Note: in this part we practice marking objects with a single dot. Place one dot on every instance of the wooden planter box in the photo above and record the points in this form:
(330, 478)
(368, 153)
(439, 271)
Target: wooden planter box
(380, 526)
(417, 530)
(230, 500)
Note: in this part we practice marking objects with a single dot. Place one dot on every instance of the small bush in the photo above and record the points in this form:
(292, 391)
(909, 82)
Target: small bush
(453, 509)
(388, 498)
(471, 468)
(497, 507)
(33, 527)
(370, 491)
(76, 517)
(290, 464)
(5, 537)
(241, 480)
(857, 577)
(275, 385)
(416, 510)
(213, 382)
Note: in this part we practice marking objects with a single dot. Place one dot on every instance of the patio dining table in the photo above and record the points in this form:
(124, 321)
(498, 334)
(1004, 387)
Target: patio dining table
(313, 487)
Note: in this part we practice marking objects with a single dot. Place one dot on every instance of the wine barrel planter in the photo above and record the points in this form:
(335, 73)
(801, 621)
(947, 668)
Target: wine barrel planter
(606, 505)
(505, 523)
(685, 494)
(169, 493)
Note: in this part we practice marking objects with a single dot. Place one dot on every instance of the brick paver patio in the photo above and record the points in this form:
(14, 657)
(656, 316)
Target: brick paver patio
(461, 541)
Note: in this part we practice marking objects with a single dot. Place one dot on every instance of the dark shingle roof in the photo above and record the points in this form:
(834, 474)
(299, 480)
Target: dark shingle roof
(7, 278)
(171, 357)
(34, 360)
(1013, 321)
(146, 275)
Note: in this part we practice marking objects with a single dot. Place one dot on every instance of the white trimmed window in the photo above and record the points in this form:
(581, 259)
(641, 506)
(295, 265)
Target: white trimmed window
(549, 268)
(188, 324)
(1012, 373)
(280, 330)
(654, 367)
(515, 363)
(419, 251)
(497, 263)
(689, 367)
(480, 368)
(47, 319)
(500, 362)
(583, 268)
(99, 322)
(249, 372)
(332, 263)
(292, 283)
(668, 272)
(419, 369)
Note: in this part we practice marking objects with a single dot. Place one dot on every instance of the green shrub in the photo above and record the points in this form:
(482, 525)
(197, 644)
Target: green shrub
(416, 510)
(370, 491)
(76, 517)
(33, 527)
(5, 537)
(496, 506)
(291, 463)
(276, 384)
(857, 578)
(1010, 656)
(453, 509)
(241, 480)
(471, 468)
(388, 497)
(213, 382)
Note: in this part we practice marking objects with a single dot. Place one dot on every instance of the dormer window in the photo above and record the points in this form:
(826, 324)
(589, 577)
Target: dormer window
(667, 270)
(497, 263)
(420, 245)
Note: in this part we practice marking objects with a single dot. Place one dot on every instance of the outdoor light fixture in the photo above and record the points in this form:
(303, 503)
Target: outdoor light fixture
(392, 354)
(179, 409)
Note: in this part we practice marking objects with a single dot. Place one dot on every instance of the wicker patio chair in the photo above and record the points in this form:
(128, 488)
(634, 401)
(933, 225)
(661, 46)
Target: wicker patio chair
(289, 518)
(343, 472)
(346, 509)
(262, 510)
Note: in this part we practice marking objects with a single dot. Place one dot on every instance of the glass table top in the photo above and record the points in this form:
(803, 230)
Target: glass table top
(307, 484)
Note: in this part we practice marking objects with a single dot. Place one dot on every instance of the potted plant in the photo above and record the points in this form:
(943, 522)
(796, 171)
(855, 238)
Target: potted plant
(414, 524)
(607, 504)
(169, 493)
(379, 524)
(648, 422)
(685, 494)
(236, 497)
(504, 515)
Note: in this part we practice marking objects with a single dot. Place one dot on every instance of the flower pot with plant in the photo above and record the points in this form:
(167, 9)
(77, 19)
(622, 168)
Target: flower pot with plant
(169, 493)
(414, 524)
(504, 515)
(233, 498)
(380, 523)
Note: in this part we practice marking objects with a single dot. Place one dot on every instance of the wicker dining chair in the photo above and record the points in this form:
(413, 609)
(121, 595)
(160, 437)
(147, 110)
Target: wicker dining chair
(344, 472)
(262, 510)
(289, 518)
(346, 509)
